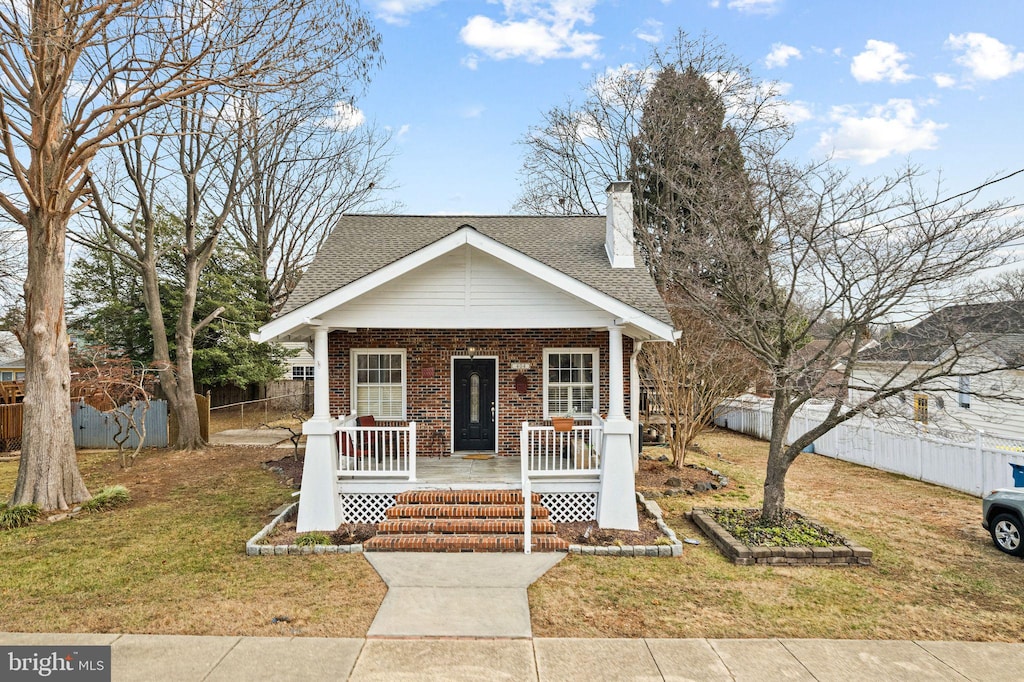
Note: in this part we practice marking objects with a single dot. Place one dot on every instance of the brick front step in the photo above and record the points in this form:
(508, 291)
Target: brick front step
(470, 511)
(461, 543)
(489, 497)
(461, 526)
(463, 521)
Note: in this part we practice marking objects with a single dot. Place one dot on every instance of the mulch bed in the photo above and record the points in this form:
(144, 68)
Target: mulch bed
(347, 534)
(662, 477)
(588, 533)
(287, 469)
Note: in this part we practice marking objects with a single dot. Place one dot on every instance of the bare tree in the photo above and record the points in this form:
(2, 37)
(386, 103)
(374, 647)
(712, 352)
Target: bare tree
(691, 377)
(301, 170)
(186, 167)
(74, 76)
(835, 257)
(1009, 285)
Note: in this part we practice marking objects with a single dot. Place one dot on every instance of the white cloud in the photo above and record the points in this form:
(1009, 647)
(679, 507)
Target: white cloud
(402, 131)
(398, 11)
(753, 6)
(345, 117)
(944, 80)
(650, 32)
(535, 31)
(985, 57)
(780, 55)
(886, 129)
(473, 111)
(795, 111)
(471, 61)
(880, 61)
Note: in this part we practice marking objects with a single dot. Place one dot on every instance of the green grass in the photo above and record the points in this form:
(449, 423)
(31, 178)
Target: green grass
(108, 498)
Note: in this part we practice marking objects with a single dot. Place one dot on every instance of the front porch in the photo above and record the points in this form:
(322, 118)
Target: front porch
(563, 468)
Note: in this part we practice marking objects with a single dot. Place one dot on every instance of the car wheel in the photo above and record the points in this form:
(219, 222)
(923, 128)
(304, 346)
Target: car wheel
(1006, 533)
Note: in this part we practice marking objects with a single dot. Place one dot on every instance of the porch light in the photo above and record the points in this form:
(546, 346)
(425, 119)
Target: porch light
(471, 351)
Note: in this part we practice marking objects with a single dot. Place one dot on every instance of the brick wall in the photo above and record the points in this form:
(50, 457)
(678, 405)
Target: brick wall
(429, 355)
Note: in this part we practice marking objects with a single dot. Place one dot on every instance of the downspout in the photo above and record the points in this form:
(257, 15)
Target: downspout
(634, 402)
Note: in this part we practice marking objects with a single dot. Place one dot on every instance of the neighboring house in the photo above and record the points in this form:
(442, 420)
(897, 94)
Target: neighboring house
(12, 358)
(467, 334)
(298, 367)
(986, 340)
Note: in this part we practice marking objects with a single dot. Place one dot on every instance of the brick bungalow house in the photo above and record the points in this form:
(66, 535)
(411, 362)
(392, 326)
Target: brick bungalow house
(442, 336)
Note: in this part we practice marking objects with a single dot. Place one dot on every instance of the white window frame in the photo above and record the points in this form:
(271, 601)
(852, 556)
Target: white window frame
(964, 391)
(354, 353)
(6, 375)
(596, 353)
(308, 372)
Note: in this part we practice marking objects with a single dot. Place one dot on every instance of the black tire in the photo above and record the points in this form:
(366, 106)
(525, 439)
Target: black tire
(1007, 534)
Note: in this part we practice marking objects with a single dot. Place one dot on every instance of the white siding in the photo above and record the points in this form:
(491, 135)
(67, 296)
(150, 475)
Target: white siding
(988, 413)
(467, 288)
(302, 359)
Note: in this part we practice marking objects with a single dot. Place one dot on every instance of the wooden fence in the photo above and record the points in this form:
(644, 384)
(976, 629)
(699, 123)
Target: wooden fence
(10, 427)
(974, 463)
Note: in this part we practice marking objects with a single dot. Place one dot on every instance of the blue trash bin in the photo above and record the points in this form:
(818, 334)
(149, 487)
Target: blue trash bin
(1018, 475)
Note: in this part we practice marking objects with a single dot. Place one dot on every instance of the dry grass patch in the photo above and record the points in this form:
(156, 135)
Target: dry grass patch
(173, 560)
(936, 575)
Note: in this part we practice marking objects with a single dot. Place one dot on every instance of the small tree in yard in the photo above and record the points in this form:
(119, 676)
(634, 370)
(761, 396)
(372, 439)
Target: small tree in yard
(836, 257)
(119, 387)
(692, 376)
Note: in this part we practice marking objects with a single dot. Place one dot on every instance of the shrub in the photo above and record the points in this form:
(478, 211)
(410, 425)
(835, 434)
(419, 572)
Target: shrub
(18, 515)
(108, 498)
(314, 538)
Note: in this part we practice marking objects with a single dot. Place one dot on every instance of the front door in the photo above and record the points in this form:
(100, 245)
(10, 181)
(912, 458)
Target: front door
(474, 404)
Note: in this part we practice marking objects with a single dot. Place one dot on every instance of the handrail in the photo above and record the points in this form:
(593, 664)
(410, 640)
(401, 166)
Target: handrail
(524, 458)
(376, 451)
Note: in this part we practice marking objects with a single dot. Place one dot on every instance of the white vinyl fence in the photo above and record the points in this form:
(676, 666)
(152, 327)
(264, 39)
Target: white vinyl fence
(973, 463)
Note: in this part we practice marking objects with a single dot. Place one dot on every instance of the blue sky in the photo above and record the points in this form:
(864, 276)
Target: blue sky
(875, 83)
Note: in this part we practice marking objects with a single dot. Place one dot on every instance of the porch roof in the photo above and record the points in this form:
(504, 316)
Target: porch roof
(365, 251)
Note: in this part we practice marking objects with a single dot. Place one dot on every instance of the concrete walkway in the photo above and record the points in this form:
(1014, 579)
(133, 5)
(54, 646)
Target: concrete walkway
(456, 595)
(186, 658)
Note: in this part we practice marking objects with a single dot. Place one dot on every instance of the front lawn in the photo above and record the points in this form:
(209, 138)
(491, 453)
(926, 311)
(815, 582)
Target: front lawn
(935, 573)
(173, 561)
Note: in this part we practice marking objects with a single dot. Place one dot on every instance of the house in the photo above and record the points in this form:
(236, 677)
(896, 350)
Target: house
(467, 334)
(982, 344)
(299, 365)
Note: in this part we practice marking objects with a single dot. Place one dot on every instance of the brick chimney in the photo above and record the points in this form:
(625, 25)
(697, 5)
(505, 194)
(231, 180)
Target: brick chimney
(619, 240)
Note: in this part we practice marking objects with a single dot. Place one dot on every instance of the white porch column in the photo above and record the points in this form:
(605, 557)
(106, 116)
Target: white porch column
(319, 502)
(616, 502)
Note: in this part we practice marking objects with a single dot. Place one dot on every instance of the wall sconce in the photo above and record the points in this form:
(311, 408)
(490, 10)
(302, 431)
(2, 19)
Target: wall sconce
(471, 351)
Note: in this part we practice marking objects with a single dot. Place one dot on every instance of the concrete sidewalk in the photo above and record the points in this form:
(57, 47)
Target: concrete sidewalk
(172, 658)
(457, 595)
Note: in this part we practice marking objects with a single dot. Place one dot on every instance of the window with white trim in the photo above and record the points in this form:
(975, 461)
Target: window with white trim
(302, 372)
(965, 392)
(378, 383)
(570, 381)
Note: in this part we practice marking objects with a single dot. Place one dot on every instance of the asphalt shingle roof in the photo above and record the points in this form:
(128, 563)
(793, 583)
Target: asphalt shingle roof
(573, 245)
(997, 327)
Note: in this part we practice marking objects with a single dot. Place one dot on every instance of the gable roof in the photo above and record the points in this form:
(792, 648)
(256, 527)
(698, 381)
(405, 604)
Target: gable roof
(573, 245)
(996, 328)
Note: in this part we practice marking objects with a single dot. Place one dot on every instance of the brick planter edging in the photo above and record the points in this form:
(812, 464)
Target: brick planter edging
(253, 548)
(675, 549)
(847, 554)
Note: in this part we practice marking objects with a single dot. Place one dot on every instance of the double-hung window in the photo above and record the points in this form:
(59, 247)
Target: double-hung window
(570, 381)
(965, 392)
(302, 372)
(378, 383)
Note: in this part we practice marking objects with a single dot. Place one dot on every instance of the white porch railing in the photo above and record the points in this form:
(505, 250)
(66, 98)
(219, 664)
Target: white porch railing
(376, 451)
(546, 452)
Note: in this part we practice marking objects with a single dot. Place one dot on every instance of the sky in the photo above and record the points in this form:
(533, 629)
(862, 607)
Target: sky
(939, 83)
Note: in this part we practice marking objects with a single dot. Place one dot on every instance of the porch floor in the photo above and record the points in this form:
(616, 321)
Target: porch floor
(457, 469)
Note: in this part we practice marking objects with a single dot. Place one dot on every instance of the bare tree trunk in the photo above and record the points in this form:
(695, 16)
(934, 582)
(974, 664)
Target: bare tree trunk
(779, 460)
(48, 473)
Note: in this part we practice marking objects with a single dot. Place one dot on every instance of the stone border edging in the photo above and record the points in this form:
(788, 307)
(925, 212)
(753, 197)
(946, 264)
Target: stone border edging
(252, 548)
(848, 554)
(673, 550)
